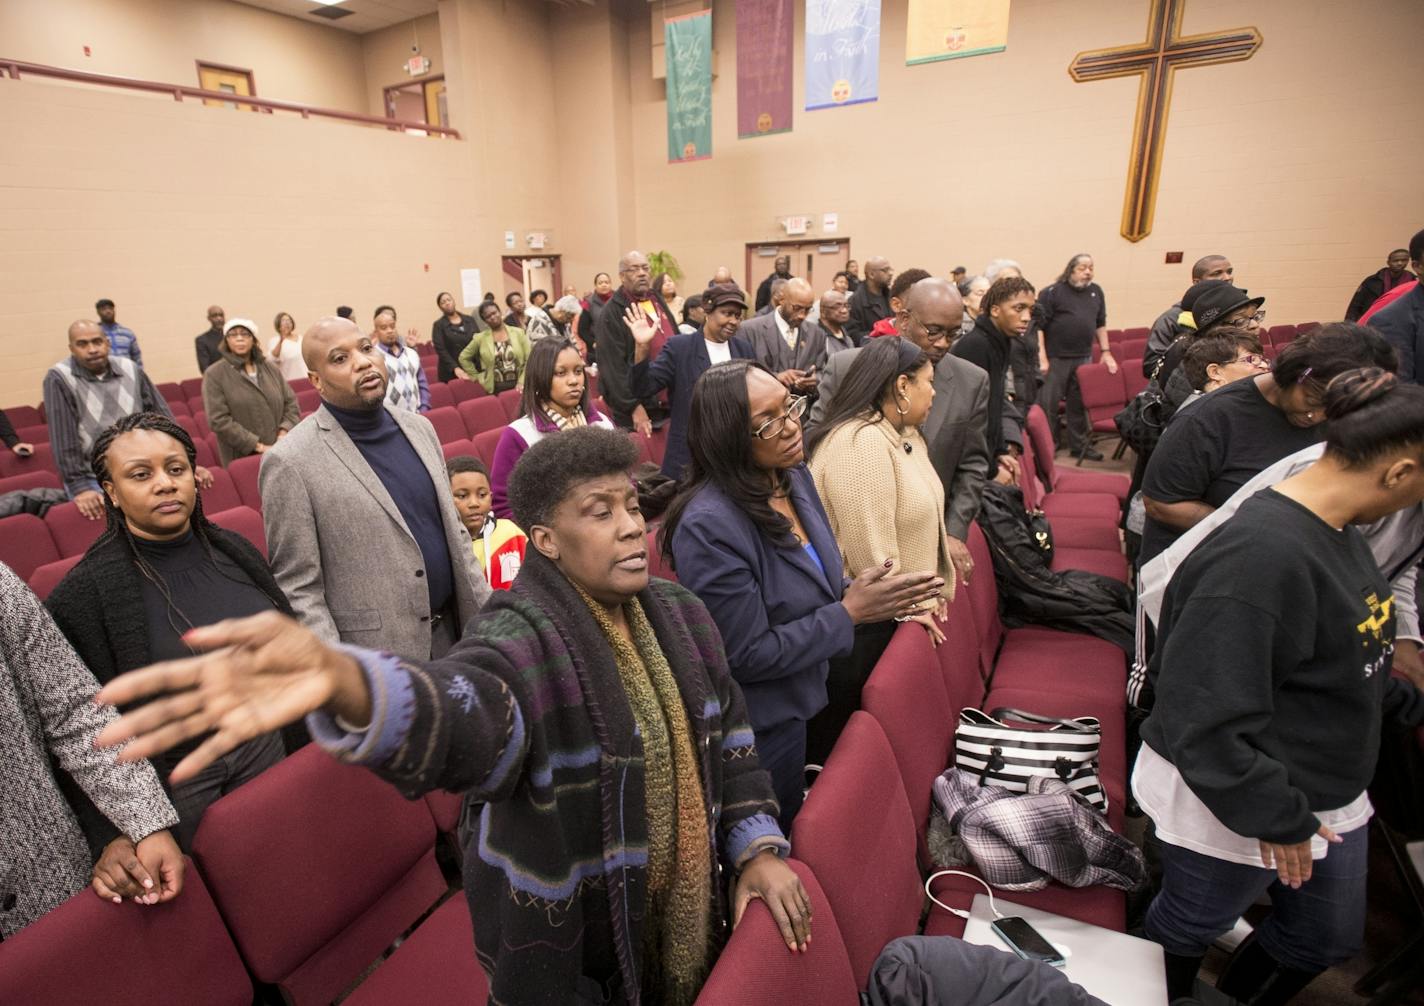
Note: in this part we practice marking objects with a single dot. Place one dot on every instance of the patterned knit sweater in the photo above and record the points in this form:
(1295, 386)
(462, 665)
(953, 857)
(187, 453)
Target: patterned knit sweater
(46, 706)
(529, 715)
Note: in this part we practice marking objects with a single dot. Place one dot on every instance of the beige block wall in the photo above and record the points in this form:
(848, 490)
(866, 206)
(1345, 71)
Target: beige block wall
(384, 53)
(1301, 163)
(593, 126)
(291, 60)
(186, 205)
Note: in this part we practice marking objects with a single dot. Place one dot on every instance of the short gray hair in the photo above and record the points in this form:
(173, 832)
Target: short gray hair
(998, 265)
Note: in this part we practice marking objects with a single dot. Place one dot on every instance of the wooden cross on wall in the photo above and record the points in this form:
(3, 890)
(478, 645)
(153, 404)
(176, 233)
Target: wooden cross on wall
(1156, 60)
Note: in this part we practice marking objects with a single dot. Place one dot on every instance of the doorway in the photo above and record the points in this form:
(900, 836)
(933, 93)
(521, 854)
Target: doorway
(814, 261)
(418, 101)
(229, 80)
(527, 273)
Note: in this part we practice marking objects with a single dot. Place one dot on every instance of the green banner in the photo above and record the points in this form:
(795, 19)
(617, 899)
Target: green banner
(689, 86)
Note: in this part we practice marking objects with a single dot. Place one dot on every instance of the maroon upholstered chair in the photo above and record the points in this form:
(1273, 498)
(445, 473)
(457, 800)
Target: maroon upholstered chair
(310, 925)
(222, 494)
(244, 473)
(458, 448)
(42, 460)
(448, 426)
(857, 834)
(440, 397)
(24, 415)
(26, 544)
(72, 532)
(513, 403)
(30, 480)
(463, 391)
(482, 414)
(756, 969)
(177, 951)
(905, 693)
(245, 521)
(486, 443)
(43, 580)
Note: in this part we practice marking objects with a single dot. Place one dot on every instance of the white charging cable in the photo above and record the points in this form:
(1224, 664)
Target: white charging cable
(959, 911)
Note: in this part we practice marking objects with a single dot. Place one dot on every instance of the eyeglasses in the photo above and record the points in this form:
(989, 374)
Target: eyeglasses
(773, 428)
(1252, 360)
(1250, 319)
(935, 333)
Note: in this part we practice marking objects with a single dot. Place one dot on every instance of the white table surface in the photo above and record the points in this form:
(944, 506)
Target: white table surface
(1119, 969)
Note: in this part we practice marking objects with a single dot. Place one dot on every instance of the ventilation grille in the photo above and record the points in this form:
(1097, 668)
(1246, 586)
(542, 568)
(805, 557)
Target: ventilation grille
(331, 13)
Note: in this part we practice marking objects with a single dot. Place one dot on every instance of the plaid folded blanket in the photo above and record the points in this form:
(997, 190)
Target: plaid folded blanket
(1019, 842)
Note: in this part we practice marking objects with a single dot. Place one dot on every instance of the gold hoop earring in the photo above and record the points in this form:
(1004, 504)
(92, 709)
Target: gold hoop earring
(906, 400)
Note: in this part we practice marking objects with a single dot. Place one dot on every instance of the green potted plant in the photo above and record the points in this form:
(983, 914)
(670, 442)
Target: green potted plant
(664, 262)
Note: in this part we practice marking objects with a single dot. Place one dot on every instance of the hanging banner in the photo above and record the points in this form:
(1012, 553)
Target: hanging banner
(689, 86)
(950, 29)
(763, 67)
(842, 52)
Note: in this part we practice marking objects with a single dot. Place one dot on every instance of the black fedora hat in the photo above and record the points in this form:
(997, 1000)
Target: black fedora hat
(1218, 302)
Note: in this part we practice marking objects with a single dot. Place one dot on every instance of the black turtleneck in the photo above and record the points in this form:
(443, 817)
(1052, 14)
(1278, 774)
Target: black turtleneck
(391, 456)
(205, 588)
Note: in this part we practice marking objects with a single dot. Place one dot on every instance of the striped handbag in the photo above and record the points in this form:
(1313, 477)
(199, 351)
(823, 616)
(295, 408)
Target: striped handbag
(998, 754)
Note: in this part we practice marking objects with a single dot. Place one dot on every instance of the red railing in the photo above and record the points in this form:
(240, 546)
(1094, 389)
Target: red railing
(15, 68)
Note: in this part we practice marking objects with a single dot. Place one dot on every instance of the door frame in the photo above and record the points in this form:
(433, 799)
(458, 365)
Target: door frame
(512, 267)
(241, 71)
(424, 82)
(801, 244)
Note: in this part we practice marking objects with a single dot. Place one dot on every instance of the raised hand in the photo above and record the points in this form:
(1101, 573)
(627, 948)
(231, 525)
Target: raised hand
(640, 325)
(263, 672)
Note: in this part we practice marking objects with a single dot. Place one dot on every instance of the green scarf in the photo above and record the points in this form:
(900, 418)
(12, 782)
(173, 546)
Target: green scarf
(676, 927)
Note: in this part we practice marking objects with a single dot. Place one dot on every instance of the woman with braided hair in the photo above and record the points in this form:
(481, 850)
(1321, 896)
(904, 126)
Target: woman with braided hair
(159, 570)
(1272, 679)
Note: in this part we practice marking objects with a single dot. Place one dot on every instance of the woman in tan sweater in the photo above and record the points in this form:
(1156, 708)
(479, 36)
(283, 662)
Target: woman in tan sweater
(884, 499)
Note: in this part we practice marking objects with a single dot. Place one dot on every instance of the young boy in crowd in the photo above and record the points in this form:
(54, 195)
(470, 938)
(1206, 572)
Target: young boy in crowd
(498, 544)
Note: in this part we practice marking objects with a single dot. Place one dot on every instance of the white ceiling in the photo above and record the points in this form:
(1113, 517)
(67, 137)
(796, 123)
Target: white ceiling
(366, 15)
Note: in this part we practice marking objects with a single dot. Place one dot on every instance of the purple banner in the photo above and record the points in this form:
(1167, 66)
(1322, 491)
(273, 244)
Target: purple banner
(764, 45)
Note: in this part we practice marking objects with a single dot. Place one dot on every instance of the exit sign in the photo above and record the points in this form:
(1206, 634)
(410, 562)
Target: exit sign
(796, 225)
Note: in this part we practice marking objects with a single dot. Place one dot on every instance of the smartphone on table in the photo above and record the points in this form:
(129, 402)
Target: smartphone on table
(1026, 941)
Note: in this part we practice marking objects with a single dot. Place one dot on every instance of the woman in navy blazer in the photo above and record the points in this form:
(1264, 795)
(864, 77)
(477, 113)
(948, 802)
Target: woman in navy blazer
(684, 358)
(748, 535)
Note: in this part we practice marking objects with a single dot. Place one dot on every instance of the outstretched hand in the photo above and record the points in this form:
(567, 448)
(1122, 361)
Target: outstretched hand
(262, 673)
(768, 878)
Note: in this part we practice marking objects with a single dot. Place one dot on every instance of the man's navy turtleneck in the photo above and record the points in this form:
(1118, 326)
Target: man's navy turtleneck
(379, 439)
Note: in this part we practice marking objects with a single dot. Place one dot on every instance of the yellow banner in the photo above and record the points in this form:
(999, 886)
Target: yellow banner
(949, 29)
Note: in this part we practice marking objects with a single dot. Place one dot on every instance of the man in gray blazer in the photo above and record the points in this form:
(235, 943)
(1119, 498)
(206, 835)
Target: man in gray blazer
(930, 316)
(362, 532)
(785, 342)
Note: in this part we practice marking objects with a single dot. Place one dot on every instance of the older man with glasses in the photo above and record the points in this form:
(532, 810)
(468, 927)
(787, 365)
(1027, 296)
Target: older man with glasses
(930, 316)
(616, 345)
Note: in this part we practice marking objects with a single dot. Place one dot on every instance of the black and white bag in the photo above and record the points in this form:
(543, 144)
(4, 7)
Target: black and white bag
(999, 754)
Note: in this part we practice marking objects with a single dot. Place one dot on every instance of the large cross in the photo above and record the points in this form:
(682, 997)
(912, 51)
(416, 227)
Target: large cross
(1156, 60)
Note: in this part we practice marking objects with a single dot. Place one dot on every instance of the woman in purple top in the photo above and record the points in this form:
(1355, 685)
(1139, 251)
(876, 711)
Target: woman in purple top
(555, 398)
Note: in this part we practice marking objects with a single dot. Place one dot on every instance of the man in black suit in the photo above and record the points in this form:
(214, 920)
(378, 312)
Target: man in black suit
(783, 270)
(930, 317)
(1402, 322)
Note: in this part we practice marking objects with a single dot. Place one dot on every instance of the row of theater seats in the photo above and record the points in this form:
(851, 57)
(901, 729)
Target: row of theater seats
(305, 877)
(301, 880)
(1105, 394)
(860, 840)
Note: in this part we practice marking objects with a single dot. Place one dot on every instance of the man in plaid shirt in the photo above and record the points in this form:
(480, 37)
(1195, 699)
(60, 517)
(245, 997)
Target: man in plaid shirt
(122, 341)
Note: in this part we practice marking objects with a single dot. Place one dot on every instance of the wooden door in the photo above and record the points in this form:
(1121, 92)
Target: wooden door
(228, 80)
(814, 261)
